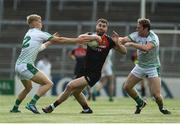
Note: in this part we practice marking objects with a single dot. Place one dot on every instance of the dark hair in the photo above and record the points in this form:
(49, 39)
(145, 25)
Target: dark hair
(103, 21)
(146, 23)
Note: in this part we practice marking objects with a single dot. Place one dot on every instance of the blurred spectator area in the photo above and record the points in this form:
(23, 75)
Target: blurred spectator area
(73, 17)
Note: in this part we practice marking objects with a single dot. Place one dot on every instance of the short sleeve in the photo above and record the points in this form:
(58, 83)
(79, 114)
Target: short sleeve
(46, 36)
(133, 36)
(153, 40)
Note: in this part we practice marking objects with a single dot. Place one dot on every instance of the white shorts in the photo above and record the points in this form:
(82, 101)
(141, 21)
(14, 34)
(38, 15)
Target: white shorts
(25, 71)
(145, 72)
(106, 71)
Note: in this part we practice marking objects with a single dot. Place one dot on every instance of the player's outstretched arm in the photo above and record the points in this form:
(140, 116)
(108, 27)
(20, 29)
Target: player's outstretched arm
(57, 39)
(119, 46)
(88, 38)
(123, 40)
(143, 47)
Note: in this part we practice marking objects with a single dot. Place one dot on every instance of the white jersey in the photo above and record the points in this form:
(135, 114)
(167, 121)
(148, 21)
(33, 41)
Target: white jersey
(150, 58)
(107, 67)
(108, 61)
(44, 66)
(31, 45)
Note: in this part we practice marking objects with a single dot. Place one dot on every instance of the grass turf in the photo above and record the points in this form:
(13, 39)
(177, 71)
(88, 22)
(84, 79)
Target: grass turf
(119, 111)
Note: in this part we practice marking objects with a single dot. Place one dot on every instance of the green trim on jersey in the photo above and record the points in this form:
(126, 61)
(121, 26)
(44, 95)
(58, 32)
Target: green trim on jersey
(32, 69)
(130, 38)
(154, 44)
(50, 38)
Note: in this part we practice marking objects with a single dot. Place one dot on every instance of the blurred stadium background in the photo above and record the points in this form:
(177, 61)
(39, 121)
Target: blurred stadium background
(73, 17)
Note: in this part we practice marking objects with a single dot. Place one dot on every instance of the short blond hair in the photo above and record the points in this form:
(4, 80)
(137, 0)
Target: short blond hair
(32, 17)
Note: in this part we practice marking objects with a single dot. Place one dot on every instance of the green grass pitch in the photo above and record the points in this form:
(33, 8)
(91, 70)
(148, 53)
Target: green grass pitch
(119, 111)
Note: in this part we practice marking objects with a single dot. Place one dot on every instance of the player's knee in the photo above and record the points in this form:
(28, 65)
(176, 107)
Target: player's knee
(28, 89)
(75, 94)
(125, 87)
(69, 87)
(50, 84)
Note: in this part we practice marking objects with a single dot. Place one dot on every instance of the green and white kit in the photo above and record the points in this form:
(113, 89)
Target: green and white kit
(31, 45)
(148, 62)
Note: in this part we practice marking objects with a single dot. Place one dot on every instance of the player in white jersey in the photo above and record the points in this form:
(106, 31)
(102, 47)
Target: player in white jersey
(147, 44)
(33, 42)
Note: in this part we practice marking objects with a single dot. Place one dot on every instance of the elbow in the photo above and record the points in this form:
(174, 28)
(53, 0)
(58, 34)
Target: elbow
(124, 52)
(146, 49)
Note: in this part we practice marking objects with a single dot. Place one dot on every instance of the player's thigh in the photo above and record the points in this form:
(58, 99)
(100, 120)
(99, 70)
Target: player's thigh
(110, 78)
(131, 81)
(41, 78)
(27, 84)
(142, 82)
(155, 85)
(103, 80)
(78, 83)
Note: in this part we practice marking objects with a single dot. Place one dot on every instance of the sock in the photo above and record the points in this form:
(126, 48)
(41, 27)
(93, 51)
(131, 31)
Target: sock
(34, 99)
(94, 92)
(17, 103)
(55, 104)
(85, 107)
(86, 110)
(52, 106)
(159, 103)
(110, 98)
(143, 93)
(138, 100)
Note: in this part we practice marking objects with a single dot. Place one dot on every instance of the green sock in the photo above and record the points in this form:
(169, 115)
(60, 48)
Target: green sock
(34, 99)
(160, 103)
(110, 98)
(17, 103)
(95, 92)
(138, 100)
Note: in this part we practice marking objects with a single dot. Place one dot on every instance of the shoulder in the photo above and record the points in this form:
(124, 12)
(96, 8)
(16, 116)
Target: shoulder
(153, 38)
(152, 34)
(133, 34)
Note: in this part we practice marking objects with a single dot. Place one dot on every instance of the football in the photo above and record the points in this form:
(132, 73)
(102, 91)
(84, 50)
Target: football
(93, 43)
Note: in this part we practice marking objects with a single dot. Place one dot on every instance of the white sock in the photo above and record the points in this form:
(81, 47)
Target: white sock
(52, 105)
(86, 110)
